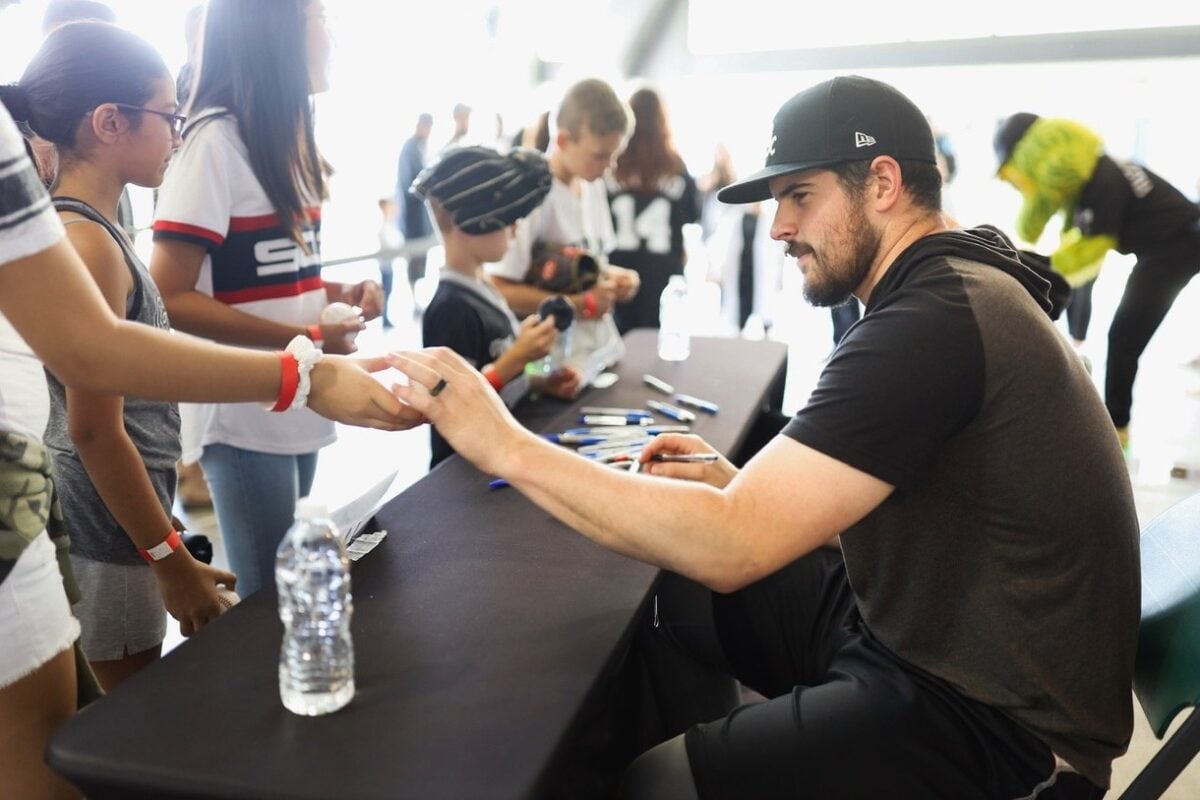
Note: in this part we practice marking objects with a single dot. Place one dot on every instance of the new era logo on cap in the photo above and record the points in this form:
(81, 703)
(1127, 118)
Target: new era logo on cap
(863, 140)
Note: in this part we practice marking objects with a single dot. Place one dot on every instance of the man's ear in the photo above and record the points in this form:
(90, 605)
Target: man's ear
(887, 184)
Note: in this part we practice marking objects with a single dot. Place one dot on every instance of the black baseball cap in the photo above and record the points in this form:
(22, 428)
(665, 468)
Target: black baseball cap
(848, 118)
(1008, 133)
(485, 190)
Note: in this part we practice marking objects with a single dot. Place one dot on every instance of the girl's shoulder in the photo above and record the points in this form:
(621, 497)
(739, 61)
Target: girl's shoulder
(104, 258)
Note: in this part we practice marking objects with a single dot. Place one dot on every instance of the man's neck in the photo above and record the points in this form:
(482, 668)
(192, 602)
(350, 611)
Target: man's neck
(898, 236)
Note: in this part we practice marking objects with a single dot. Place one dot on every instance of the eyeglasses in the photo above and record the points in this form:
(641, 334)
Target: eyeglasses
(176, 120)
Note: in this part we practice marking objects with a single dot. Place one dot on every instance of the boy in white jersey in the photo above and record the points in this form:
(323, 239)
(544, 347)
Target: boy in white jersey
(592, 127)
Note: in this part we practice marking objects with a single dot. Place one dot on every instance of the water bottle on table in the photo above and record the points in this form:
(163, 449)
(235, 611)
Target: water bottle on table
(312, 573)
(564, 322)
(674, 332)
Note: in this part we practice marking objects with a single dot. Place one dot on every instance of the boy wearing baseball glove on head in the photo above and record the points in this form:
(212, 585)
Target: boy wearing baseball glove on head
(476, 195)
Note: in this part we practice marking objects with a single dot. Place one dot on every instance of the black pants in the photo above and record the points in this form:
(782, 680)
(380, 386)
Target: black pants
(1079, 310)
(846, 718)
(1157, 279)
(386, 279)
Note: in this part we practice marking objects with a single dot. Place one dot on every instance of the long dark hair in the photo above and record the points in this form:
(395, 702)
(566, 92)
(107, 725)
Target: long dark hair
(650, 155)
(254, 63)
(80, 66)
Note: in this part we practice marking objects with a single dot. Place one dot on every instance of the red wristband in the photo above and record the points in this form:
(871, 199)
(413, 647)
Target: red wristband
(289, 381)
(589, 305)
(163, 549)
(314, 333)
(493, 377)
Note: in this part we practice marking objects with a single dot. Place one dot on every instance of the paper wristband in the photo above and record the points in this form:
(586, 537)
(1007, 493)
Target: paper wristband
(163, 549)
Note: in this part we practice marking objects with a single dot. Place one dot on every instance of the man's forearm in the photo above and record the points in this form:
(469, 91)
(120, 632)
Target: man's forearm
(688, 528)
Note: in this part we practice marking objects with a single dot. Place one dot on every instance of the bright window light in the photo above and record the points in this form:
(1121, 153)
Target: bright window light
(764, 25)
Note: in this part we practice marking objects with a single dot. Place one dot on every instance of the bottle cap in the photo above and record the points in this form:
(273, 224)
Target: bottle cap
(309, 508)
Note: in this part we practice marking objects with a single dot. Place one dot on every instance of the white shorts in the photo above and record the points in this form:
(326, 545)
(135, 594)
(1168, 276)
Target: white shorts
(35, 619)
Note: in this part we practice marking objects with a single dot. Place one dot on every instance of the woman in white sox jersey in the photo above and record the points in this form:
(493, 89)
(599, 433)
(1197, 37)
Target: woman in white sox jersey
(237, 256)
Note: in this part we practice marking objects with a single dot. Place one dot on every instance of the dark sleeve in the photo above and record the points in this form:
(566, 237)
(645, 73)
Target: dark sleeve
(906, 378)
(456, 325)
(1104, 200)
(690, 203)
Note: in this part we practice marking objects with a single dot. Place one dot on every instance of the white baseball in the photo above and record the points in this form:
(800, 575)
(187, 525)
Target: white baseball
(228, 597)
(340, 312)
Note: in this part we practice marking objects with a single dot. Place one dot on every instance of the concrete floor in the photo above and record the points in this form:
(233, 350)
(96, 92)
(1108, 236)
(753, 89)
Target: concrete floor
(1165, 429)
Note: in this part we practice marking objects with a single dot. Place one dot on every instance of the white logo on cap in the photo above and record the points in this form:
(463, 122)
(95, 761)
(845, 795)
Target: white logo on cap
(771, 149)
(863, 140)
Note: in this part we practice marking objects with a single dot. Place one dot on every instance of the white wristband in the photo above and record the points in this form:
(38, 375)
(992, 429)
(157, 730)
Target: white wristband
(307, 355)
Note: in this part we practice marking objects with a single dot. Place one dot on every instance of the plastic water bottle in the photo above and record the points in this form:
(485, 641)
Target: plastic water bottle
(564, 322)
(674, 338)
(312, 573)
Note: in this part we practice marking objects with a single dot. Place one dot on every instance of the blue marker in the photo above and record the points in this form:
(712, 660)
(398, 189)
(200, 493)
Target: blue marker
(607, 431)
(674, 412)
(620, 412)
(696, 402)
(498, 483)
(615, 419)
(658, 383)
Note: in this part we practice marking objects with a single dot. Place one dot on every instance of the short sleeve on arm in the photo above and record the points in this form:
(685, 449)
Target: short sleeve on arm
(195, 201)
(28, 223)
(456, 326)
(905, 378)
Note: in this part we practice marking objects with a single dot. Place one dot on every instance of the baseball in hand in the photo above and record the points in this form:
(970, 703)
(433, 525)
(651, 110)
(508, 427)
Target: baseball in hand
(340, 312)
(228, 597)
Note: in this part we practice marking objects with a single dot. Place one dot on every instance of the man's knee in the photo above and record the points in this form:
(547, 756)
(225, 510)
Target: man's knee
(661, 773)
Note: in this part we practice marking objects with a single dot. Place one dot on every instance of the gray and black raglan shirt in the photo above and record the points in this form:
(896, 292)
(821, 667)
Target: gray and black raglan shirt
(1006, 561)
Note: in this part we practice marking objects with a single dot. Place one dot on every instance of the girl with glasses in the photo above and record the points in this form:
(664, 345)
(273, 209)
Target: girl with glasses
(106, 100)
(55, 308)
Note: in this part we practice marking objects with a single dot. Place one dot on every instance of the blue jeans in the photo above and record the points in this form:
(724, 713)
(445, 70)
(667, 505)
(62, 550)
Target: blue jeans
(254, 495)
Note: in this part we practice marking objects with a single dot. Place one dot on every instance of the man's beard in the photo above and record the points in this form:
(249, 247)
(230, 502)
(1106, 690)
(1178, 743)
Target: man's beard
(831, 284)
